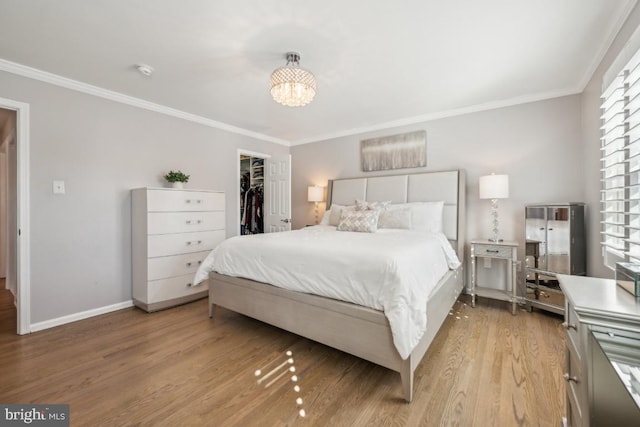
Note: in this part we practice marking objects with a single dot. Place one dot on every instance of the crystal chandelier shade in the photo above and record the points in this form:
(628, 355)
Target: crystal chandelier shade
(291, 85)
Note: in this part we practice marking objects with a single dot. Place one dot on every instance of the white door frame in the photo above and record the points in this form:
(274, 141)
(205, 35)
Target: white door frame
(242, 152)
(23, 269)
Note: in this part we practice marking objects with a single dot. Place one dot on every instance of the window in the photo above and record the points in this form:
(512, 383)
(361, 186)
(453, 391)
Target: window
(620, 147)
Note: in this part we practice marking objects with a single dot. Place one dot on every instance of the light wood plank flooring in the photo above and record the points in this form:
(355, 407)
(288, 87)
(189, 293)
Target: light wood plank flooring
(179, 368)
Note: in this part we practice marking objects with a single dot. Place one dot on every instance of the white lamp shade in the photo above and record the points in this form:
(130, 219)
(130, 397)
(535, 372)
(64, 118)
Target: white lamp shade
(315, 194)
(494, 186)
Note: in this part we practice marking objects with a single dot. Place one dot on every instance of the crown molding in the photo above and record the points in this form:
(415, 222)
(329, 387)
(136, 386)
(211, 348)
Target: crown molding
(606, 44)
(54, 79)
(441, 115)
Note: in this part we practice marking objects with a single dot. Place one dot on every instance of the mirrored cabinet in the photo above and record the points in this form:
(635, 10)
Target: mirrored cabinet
(555, 243)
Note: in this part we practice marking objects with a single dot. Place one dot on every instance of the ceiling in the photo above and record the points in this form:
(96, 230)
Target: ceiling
(378, 63)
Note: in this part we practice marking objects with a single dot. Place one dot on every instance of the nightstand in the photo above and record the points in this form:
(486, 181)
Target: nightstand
(495, 250)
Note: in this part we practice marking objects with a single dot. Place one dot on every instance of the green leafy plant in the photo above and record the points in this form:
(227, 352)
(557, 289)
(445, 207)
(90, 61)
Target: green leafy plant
(176, 176)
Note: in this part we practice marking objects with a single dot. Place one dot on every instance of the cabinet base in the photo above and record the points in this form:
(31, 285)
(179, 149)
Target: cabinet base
(156, 306)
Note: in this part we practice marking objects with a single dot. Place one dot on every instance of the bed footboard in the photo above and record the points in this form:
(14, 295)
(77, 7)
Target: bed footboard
(369, 335)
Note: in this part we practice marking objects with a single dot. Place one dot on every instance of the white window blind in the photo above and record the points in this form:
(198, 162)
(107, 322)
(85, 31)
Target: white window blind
(620, 147)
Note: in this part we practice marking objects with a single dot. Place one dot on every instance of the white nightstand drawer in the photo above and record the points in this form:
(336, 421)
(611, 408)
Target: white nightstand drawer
(176, 265)
(184, 222)
(164, 200)
(493, 251)
(175, 287)
(183, 243)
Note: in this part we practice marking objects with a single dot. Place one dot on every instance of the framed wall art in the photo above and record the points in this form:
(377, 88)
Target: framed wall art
(406, 150)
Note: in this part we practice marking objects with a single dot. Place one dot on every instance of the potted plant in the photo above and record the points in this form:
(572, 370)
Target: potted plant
(176, 178)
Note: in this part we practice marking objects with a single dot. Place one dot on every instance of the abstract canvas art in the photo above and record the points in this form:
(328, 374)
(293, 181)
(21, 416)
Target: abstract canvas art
(407, 150)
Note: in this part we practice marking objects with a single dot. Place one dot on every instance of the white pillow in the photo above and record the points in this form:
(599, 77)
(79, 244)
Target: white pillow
(336, 213)
(326, 217)
(425, 216)
(395, 218)
(360, 221)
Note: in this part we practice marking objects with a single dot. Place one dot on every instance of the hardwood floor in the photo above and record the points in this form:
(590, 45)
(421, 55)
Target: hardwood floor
(179, 368)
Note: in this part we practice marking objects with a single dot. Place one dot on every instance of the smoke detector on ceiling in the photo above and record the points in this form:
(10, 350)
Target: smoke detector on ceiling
(145, 70)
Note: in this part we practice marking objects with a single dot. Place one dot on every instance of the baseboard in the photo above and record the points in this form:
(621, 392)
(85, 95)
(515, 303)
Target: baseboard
(80, 316)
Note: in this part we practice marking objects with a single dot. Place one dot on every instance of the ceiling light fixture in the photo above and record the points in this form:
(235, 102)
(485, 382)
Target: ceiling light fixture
(291, 85)
(145, 70)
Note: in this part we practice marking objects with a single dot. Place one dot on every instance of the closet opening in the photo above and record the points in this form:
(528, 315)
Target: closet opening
(252, 213)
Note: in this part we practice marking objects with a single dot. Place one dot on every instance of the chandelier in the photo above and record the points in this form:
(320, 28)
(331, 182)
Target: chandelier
(291, 85)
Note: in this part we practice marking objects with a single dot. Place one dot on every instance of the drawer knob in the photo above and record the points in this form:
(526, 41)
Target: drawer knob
(199, 201)
(188, 264)
(188, 200)
(188, 221)
(188, 243)
(199, 221)
(569, 378)
(189, 284)
(199, 262)
(568, 325)
(199, 242)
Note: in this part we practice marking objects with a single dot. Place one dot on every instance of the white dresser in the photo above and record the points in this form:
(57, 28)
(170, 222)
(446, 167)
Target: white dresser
(172, 233)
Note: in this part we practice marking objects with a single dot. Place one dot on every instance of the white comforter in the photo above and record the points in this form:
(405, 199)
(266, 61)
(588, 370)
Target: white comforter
(391, 270)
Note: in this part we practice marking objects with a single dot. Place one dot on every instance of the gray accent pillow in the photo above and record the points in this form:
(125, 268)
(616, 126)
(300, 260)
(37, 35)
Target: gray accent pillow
(362, 205)
(360, 221)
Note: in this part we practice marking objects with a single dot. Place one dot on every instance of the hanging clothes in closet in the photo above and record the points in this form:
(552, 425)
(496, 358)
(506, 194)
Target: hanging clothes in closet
(252, 213)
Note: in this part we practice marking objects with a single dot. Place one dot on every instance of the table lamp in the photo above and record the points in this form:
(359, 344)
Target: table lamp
(494, 187)
(315, 194)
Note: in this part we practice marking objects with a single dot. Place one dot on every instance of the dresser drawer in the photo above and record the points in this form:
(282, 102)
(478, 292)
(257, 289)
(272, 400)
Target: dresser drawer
(166, 200)
(183, 243)
(492, 251)
(576, 386)
(175, 265)
(572, 325)
(184, 222)
(174, 287)
(574, 411)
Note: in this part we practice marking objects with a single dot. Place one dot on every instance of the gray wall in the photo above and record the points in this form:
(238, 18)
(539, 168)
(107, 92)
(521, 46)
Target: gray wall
(537, 144)
(591, 139)
(550, 149)
(81, 241)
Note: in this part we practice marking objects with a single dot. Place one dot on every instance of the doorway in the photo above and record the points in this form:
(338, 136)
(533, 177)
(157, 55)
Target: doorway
(14, 178)
(271, 176)
(251, 192)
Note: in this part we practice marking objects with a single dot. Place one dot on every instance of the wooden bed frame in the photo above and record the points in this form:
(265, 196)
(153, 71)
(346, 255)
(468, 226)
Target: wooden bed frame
(354, 329)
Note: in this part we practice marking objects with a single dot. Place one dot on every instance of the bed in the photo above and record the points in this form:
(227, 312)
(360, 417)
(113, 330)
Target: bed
(353, 328)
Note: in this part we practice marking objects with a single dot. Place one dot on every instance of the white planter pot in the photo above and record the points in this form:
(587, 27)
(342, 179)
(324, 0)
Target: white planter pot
(177, 185)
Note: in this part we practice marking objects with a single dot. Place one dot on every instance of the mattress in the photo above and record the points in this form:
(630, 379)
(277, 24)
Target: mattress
(391, 270)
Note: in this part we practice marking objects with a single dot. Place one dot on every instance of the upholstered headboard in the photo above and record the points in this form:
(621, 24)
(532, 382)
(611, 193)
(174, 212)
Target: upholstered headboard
(447, 186)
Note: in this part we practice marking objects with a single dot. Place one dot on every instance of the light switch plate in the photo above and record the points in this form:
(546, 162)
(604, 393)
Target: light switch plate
(58, 187)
